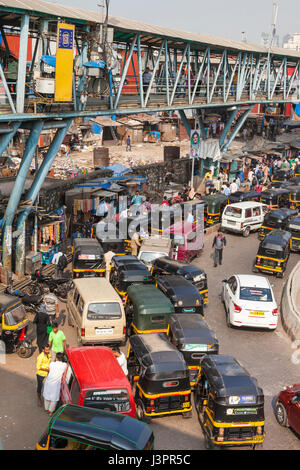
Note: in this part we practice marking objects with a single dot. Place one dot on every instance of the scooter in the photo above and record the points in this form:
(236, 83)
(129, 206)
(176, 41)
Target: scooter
(31, 302)
(60, 287)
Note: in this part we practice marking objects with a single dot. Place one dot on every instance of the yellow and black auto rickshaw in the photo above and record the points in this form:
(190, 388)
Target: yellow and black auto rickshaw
(294, 197)
(193, 338)
(229, 403)
(159, 377)
(14, 326)
(294, 228)
(88, 258)
(273, 253)
(275, 198)
(127, 272)
(74, 427)
(215, 204)
(276, 219)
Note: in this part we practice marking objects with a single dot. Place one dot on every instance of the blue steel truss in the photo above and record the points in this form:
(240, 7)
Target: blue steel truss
(184, 73)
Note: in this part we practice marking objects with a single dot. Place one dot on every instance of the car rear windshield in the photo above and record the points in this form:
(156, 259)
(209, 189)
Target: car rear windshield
(115, 400)
(104, 311)
(234, 212)
(256, 294)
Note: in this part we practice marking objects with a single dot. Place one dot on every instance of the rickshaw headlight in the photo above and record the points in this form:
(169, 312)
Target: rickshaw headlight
(197, 302)
(259, 430)
(221, 432)
(180, 302)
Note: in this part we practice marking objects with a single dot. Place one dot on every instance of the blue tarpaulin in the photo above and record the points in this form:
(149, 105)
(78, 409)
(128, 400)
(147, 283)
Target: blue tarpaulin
(99, 64)
(118, 169)
(49, 60)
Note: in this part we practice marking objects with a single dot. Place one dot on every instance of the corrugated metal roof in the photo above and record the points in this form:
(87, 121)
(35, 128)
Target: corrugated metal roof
(63, 11)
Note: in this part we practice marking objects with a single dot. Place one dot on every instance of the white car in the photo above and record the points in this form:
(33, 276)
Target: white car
(249, 301)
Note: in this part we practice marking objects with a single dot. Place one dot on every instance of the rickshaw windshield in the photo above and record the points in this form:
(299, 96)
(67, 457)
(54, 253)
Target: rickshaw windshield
(149, 256)
(234, 212)
(255, 294)
(15, 316)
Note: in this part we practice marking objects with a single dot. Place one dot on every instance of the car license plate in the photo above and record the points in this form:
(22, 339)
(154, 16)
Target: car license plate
(232, 222)
(257, 313)
(104, 331)
(186, 405)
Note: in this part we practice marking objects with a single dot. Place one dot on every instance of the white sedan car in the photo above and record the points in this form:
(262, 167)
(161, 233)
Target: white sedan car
(249, 301)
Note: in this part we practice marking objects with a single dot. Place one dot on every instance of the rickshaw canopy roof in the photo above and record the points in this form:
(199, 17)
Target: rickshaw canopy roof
(280, 214)
(92, 426)
(179, 287)
(8, 301)
(228, 378)
(157, 354)
(149, 300)
(192, 329)
(276, 239)
(180, 267)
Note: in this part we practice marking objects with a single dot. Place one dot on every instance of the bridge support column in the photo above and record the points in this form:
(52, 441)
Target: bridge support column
(240, 123)
(8, 136)
(185, 121)
(33, 193)
(17, 192)
(228, 126)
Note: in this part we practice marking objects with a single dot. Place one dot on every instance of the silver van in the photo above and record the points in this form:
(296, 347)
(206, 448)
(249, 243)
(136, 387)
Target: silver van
(96, 310)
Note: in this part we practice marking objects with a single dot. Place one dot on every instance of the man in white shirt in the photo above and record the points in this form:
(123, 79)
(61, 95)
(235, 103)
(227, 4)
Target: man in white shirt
(121, 359)
(233, 187)
(55, 261)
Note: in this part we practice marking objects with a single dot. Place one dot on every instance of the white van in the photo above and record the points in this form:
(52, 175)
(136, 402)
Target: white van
(243, 217)
(96, 311)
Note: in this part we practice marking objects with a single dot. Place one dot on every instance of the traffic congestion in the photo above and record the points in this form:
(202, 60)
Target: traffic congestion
(146, 348)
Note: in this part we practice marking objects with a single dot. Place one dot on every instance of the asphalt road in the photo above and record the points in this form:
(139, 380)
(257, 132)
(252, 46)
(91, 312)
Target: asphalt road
(266, 355)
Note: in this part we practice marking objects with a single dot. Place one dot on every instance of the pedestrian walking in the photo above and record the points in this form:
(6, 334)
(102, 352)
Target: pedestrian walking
(61, 262)
(57, 341)
(218, 245)
(42, 321)
(107, 258)
(42, 369)
(135, 243)
(128, 143)
(51, 305)
(146, 79)
(52, 385)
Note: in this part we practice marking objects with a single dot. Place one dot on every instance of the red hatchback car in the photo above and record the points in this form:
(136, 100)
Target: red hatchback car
(94, 378)
(288, 407)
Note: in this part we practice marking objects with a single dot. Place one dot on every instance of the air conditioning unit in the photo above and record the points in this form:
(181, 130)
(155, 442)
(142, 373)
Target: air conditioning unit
(45, 85)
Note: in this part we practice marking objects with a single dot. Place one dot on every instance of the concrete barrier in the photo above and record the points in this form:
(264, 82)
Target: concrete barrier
(290, 313)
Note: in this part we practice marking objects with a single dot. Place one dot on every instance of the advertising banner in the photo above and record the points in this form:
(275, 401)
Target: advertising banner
(64, 62)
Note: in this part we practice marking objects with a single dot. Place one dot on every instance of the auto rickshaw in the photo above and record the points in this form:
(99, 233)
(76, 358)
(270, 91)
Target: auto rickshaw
(297, 171)
(112, 238)
(187, 240)
(229, 403)
(159, 377)
(126, 274)
(147, 309)
(241, 196)
(74, 427)
(14, 326)
(193, 338)
(294, 228)
(195, 275)
(215, 205)
(87, 258)
(294, 197)
(282, 175)
(275, 198)
(273, 253)
(184, 296)
(276, 219)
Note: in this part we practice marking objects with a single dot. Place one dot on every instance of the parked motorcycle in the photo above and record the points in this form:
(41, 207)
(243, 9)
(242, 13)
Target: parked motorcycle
(40, 283)
(31, 302)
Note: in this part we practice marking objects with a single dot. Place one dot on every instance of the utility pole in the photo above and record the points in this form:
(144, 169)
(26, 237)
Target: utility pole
(272, 37)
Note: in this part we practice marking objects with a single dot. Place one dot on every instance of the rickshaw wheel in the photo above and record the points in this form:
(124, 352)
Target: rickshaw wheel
(23, 352)
(140, 411)
(187, 415)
